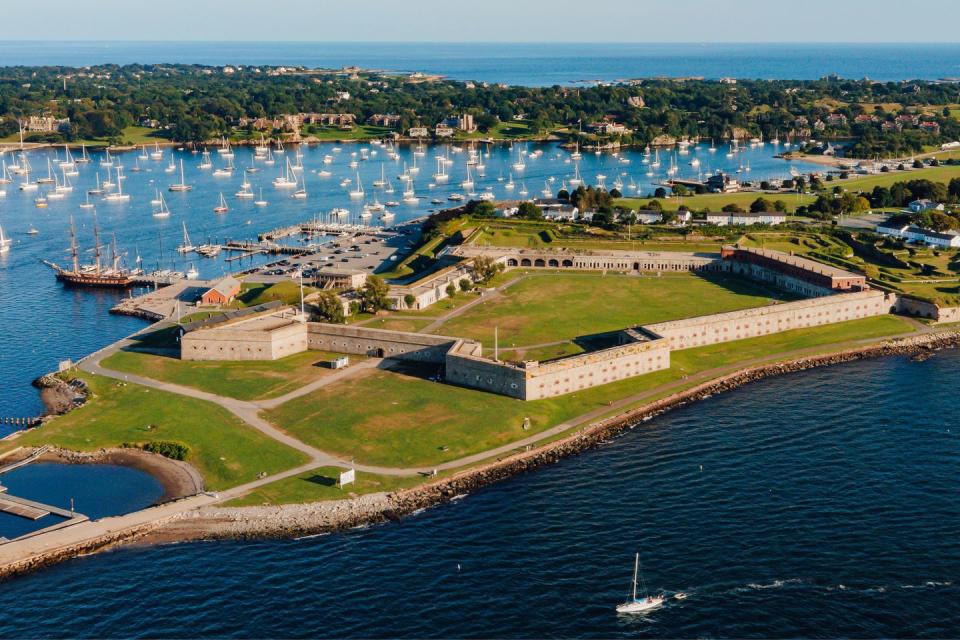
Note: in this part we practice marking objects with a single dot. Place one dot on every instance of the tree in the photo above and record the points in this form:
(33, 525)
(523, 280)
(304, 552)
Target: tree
(660, 193)
(482, 209)
(780, 205)
(374, 294)
(655, 205)
(451, 290)
(529, 211)
(732, 208)
(485, 268)
(409, 300)
(563, 194)
(760, 205)
(615, 193)
(465, 284)
(330, 308)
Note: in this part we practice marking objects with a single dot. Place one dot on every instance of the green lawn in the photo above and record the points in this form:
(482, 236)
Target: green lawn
(130, 135)
(223, 448)
(549, 307)
(359, 132)
(244, 380)
(254, 293)
(400, 418)
(399, 324)
(320, 484)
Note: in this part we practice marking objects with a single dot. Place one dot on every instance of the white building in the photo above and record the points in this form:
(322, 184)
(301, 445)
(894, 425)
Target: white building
(649, 217)
(913, 233)
(724, 218)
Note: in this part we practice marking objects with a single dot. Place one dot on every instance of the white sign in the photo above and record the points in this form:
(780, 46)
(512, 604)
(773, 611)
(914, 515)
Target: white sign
(346, 477)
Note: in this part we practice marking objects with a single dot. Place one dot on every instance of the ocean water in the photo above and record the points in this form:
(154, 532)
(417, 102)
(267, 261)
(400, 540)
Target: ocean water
(42, 322)
(530, 64)
(96, 491)
(818, 504)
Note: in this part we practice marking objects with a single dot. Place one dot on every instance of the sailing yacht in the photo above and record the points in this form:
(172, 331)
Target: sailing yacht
(182, 185)
(106, 161)
(300, 193)
(382, 182)
(205, 161)
(5, 242)
(163, 211)
(645, 604)
(576, 155)
(576, 180)
(509, 186)
(84, 158)
(49, 179)
(222, 205)
(98, 190)
(157, 153)
(186, 246)
(468, 182)
(245, 191)
(261, 202)
(227, 171)
(357, 192)
(118, 195)
(87, 204)
(172, 165)
(143, 153)
(192, 273)
(409, 195)
(287, 180)
(441, 176)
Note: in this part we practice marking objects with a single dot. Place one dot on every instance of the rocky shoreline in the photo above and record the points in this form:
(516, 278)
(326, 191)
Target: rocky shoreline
(288, 521)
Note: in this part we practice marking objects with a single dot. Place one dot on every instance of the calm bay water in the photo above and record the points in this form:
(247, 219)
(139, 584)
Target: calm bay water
(778, 516)
(530, 64)
(43, 322)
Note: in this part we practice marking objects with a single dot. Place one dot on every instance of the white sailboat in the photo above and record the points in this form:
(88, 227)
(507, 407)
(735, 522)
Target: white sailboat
(300, 193)
(645, 604)
(84, 158)
(261, 202)
(222, 205)
(186, 246)
(182, 185)
(5, 242)
(467, 183)
(382, 181)
(118, 195)
(409, 195)
(357, 192)
(157, 153)
(576, 180)
(205, 161)
(441, 176)
(87, 204)
(287, 180)
(163, 211)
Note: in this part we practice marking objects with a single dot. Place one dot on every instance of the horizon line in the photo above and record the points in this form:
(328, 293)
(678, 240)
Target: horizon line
(498, 42)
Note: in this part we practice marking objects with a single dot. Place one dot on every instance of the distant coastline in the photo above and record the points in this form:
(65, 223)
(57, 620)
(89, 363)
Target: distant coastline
(529, 64)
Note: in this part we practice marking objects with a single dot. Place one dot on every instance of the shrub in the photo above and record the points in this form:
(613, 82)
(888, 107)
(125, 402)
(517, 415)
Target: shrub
(166, 448)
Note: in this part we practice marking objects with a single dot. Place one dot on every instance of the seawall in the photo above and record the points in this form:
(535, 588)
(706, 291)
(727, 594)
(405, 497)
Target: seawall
(307, 519)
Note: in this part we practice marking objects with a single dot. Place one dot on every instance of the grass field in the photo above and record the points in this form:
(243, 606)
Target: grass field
(549, 307)
(321, 484)
(360, 132)
(130, 135)
(244, 380)
(399, 324)
(501, 236)
(400, 418)
(225, 450)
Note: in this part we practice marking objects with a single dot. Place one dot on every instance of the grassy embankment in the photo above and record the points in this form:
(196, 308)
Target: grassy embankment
(223, 448)
(243, 380)
(321, 484)
(401, 418)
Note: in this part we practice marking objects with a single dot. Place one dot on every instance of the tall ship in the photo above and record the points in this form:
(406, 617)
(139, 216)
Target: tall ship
(96, 274)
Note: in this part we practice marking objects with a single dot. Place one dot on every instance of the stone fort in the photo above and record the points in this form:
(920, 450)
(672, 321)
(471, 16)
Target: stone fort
(830, 295)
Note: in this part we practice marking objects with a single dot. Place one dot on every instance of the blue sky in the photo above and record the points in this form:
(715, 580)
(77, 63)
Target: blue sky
(485, 20)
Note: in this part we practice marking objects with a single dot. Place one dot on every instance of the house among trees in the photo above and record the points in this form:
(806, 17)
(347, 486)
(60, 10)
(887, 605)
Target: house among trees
(919, 206)
(384, 120)
(418, 132)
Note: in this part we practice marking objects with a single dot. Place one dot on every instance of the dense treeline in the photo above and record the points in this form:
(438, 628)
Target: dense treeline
(196, 103)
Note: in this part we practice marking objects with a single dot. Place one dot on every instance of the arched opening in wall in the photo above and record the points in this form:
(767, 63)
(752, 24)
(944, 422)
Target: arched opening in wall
(553, 263)
(376, 352)
(539, 262)
(525, 262)
(567, 263)
(511, 262)
(636, 266)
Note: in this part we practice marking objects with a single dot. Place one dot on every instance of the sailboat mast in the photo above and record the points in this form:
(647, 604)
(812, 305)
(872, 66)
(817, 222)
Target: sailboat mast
(636, 569)
(96, 245)
(74, 249)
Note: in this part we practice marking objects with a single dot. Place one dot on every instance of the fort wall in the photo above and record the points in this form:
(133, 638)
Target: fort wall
(751, 323)
(244, 342)
(380, 343)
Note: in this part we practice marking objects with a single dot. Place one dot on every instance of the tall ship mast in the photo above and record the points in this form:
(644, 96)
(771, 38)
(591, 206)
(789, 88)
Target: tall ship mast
(92, 275)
